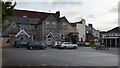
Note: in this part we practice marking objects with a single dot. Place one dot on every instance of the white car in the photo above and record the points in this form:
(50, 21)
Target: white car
(56, 43)
(68, 45)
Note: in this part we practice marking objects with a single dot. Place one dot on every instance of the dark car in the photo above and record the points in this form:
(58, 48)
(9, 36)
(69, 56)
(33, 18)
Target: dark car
(36, 44)
(21, 43)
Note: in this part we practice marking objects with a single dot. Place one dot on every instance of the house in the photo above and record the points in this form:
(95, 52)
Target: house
(111, 37)
(92, 35)
(79, 28)
(33, 25)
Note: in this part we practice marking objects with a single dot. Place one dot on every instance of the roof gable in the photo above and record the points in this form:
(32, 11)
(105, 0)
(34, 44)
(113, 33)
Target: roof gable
(51, 17)
(22, 32)
(63, 19)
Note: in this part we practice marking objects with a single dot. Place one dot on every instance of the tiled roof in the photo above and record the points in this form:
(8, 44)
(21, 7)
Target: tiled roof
(114, 30)
(24, 20)
(34, 14)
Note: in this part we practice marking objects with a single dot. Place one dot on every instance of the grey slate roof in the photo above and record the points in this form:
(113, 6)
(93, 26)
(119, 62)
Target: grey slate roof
(24, 20)
(114, 30)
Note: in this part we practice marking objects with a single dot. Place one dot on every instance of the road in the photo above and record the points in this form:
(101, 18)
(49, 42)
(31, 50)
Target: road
(83, 56)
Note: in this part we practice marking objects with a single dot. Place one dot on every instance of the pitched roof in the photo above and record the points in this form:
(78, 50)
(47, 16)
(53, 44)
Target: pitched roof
(31, 14)
(114, 30)
(24, 20)
(35, 14)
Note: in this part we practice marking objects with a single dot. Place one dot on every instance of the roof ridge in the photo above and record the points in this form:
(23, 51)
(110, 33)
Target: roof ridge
(33, 11)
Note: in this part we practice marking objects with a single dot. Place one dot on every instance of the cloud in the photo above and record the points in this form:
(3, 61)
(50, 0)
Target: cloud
(62, 5)
(90, 16)
(67, 0)
(115, 9)
(72, 13)
(114, 21)
(66, 3)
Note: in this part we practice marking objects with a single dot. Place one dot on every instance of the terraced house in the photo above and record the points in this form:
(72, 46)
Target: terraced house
(33, 25)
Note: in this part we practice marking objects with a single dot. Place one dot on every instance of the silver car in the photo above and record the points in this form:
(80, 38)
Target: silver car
(65, 45)
(56, 43)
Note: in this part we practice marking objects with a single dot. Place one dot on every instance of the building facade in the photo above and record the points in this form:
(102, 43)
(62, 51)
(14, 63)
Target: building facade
(92, 35)
(80, 27)
(32, 25)
(111, 38)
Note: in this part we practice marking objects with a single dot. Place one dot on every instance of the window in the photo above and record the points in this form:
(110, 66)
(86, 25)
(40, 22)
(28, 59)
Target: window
(35, 27)
(64, 25)
(54, 25)
(47, 23)
(63, 37)
(81, 39)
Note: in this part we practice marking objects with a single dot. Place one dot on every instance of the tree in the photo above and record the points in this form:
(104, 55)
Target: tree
(7, 10)
(72, 38)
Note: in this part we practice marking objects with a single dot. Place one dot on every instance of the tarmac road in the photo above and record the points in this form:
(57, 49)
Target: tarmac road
(83, 56)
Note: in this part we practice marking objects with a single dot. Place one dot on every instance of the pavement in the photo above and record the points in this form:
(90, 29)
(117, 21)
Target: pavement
(83, 56)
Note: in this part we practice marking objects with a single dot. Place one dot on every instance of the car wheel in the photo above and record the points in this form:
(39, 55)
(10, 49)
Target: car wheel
(31, 48)
(75, 47)
(43, 47)
(64, 47)
(17, 46)
(20, 46)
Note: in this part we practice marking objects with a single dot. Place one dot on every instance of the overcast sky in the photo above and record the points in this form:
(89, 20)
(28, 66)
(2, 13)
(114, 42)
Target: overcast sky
(103, 14)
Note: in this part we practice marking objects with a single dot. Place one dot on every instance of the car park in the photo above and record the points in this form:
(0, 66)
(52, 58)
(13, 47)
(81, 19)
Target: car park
(68, 45)
(36, 45)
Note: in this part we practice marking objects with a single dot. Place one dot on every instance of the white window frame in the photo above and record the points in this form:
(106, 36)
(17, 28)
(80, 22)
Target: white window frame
(47, 24)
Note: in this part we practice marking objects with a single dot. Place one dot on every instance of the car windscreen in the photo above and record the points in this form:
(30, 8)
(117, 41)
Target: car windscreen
(21, 42)
(66, 43)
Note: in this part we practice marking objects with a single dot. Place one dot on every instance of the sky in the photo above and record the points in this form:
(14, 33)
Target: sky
(103, 14)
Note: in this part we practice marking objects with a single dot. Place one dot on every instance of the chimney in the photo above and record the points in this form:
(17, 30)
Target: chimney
(58, 13)
(83, 21)
(90, 25)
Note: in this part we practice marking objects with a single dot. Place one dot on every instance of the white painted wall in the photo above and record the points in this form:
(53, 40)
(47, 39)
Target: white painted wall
(81, 30)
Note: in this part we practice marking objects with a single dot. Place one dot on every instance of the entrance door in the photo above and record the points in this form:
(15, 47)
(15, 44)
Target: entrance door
(49, 41)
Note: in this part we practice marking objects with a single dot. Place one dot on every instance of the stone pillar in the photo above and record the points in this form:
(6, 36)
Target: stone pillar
(116, 42)
(110, 42)
(106, 42)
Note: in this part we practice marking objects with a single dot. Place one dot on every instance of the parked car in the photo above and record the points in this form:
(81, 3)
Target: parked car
(55, 44)
(65, 45)
(21, 43)
(36, 44)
